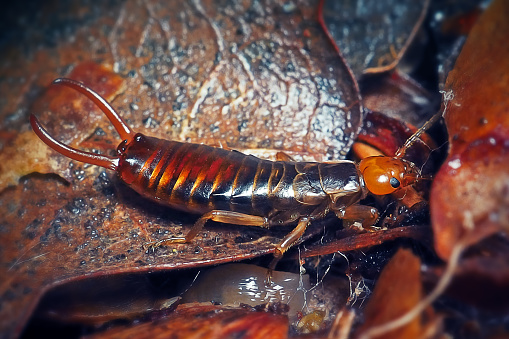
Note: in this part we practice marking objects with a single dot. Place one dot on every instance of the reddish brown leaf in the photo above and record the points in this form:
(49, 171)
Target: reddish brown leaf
(207, 321)
(470, 194)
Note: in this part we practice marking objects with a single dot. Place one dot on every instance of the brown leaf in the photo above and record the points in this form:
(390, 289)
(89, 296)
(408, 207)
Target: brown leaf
(245, 75)
(461, 24)
(373, 35)
(470, 194)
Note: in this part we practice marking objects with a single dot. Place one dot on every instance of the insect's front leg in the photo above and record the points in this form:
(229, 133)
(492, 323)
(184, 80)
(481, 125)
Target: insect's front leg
(227, 217)
(367, 215)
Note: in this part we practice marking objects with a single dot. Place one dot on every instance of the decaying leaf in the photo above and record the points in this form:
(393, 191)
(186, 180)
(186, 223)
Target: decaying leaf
(257, 75)
(244, 75)
(373, 35)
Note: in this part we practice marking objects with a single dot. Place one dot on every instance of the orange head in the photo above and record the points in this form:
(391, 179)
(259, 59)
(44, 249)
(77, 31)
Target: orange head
(384, 175)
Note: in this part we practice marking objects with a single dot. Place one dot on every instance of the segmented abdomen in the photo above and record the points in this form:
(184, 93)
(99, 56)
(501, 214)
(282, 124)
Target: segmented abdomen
(199, 178)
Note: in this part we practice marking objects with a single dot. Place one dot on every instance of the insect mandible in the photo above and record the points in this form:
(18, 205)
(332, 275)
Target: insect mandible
(231, 187)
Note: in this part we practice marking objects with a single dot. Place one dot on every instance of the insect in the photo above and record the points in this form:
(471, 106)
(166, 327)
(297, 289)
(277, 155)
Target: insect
(234, 188)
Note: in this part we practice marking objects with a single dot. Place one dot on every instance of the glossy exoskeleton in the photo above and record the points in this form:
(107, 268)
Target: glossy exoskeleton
(231, 187)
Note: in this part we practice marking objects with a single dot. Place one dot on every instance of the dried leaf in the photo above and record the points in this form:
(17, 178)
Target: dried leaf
(373, 35)
(247, 75)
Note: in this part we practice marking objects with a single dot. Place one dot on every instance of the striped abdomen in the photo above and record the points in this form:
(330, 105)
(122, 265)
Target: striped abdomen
(199, 178)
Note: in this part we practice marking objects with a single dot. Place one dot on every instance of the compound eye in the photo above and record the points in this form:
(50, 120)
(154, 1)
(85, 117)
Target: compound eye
(394, 182)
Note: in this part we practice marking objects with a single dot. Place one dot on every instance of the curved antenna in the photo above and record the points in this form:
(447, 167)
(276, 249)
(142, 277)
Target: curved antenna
(73, 153)
(446, 98)
(123, 130)
(414, 137)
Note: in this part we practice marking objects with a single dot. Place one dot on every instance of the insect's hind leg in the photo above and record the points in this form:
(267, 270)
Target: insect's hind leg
(287, 242)
(227, 217)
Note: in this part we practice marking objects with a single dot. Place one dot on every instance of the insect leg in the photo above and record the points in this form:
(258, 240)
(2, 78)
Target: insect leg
(285, 244)
(366, 214)
(292, 237)
(282, 156)
(227, 217)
